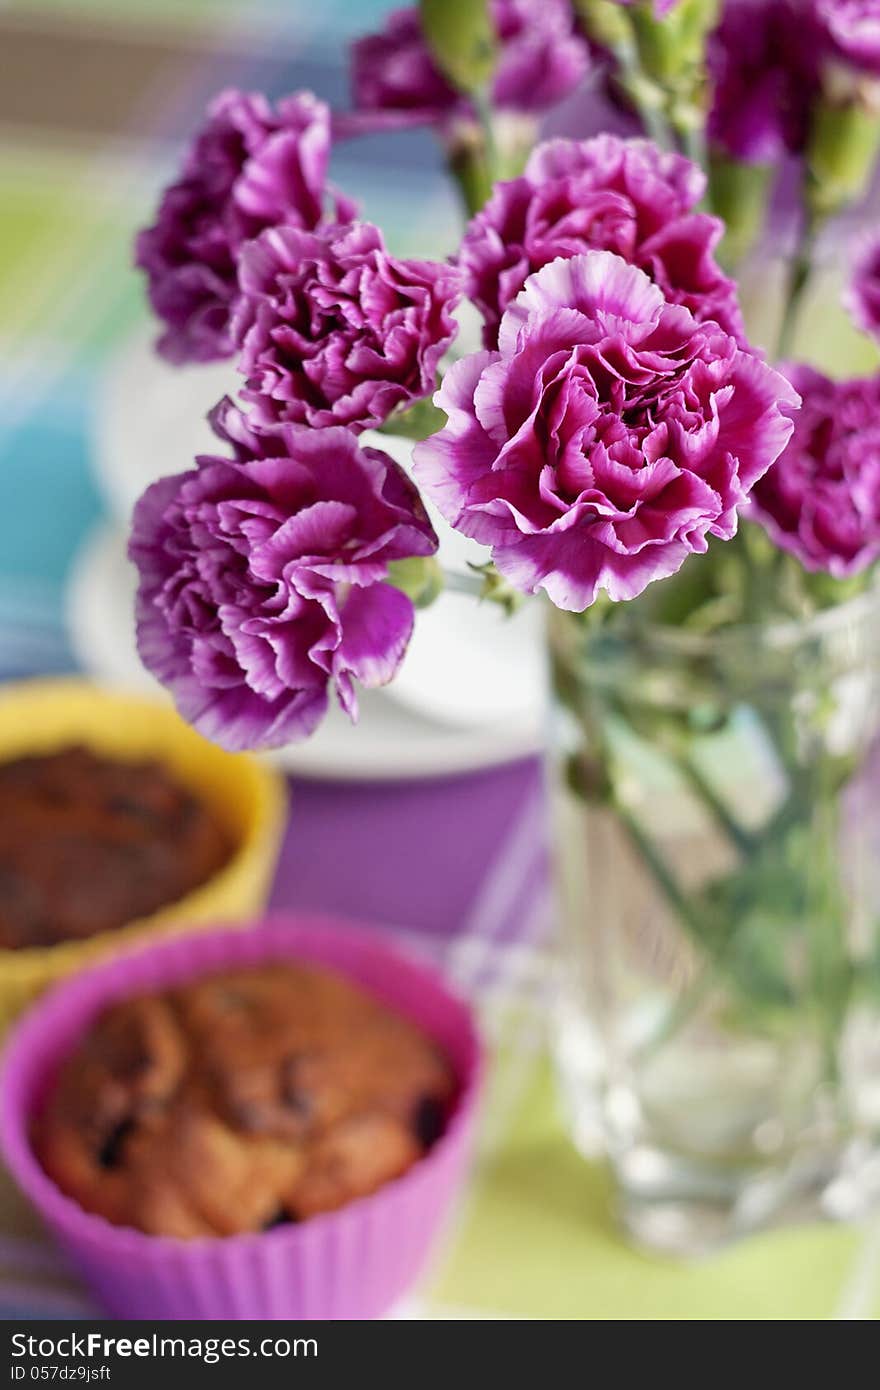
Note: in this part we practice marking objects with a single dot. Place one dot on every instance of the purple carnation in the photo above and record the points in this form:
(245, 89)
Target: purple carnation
(249, 167)
(821, 500)
(862, 298)
(263, 579)
(852, 30)
(606, 439)
(601, 194)
(394, 71)
(763, 64)
(335, 331)
(541, 59)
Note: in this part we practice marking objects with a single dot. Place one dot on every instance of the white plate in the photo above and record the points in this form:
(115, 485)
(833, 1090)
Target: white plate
(149, 420)
(393, 740)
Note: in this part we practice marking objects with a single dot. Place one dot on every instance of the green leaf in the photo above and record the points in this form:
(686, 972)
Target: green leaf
(418, 422)
(462, 40)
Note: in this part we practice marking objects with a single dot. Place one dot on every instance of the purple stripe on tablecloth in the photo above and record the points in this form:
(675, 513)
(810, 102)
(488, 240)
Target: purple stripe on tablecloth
(503, 903)
(29, 1256)
(411, 854)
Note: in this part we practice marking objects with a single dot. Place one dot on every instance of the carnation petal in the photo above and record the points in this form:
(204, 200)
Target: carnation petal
(446, 462)
(377, 625)
(600, 285)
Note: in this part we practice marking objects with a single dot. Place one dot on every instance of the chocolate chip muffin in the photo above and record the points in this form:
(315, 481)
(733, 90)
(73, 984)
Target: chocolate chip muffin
(88, 844)
(240, 1102)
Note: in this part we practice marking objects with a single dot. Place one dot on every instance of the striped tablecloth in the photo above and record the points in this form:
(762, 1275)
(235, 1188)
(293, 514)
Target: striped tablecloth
(95, 96)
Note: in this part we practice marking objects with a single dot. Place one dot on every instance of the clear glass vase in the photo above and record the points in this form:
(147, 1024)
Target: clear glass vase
(718, 857)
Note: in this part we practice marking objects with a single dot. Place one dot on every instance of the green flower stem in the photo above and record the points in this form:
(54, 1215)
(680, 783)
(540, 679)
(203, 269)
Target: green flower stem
(830, 967)
(599, 755)
(786, 881)
(456, 582)
(474, 159)
(657, 866)
(688, 126)
(611, 26)
(645, 96)
(741, 839)
(800, 270)
(468, 164)
(490, 145)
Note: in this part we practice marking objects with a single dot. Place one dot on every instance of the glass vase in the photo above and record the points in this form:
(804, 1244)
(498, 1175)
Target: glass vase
(717, 805)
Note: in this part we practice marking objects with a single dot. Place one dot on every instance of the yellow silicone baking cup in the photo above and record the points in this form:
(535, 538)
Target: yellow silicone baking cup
(245, 795)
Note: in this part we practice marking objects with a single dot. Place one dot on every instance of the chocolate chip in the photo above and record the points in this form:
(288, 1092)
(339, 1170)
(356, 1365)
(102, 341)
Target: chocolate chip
(110, 1153)
(428, 1121)
(121, 805)
(293, 1093)
(280, 1218)
(230, 998)
(129, 1067)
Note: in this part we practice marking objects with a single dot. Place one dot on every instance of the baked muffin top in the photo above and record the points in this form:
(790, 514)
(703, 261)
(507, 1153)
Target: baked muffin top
(88, 844)
(242, 1101)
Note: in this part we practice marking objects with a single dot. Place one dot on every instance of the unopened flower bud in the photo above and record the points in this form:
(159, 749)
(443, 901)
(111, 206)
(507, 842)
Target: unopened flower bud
(842, 149)
(419, 577)
(738, 194)
(606, 22)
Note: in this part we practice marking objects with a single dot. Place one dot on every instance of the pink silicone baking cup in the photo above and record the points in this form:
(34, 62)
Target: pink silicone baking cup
(350, 1264)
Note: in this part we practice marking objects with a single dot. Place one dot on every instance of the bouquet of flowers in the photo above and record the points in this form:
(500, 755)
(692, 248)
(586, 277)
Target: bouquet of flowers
(617, 437)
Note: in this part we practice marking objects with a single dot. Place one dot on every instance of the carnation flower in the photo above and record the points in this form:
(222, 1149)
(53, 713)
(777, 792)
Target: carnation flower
(540, 60)
(394, 72)
(862, 297)
(248, 168)
(606, 439)
(763, 64)
(335, 331)
(852, 30)
(821, 500)
(606, 193)
(263, 579)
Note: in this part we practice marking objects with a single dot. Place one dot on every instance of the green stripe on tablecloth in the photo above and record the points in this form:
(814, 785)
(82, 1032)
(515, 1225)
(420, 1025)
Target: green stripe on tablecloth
(181, 12)
(538, 1241)
(66, 227)
(336, 15)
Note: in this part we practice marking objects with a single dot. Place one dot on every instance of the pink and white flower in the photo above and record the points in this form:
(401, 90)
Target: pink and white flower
(607, 438)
